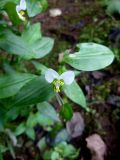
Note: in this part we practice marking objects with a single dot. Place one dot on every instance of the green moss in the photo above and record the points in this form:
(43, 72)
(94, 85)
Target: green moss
(102, 92)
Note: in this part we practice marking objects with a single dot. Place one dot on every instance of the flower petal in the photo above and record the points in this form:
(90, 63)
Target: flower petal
(18, 9)
(23, 5)
(50, 75)
(68, 77)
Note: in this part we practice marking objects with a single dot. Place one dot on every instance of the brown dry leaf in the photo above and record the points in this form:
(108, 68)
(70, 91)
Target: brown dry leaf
(76, 125)
(96, 146)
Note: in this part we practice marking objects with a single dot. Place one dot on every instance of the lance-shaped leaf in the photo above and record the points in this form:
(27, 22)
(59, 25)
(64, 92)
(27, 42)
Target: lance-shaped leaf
(75, 93)
(37, 90)
(10, 8)
(11, 84)
(90, 57)
(4, 2)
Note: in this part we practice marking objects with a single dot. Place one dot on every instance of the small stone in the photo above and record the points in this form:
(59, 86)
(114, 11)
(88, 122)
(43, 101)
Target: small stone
(55, 12)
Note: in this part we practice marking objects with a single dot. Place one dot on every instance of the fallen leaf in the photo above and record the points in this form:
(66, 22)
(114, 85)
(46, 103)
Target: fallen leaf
(96, 146)
(76, 125)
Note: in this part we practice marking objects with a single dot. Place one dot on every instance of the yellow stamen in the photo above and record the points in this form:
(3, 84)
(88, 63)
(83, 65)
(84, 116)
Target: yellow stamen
(58, 84)
(22, 13)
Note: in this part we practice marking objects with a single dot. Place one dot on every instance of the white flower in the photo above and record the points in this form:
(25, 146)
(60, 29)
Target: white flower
(20, 10)
(59, 80)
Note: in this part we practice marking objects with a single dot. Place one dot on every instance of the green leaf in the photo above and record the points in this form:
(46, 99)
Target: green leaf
(11, 84)
(10, 8)
(47, 109)
(42, 145)
(113, 6)
(75, 93)
(27, 49)
(20, 129)
(44, 120)
(66, 111)
(70, 151)
(47, 154)
(63, 135)
(3, 111)
(3, 149)
(44, 4)
(4, 2)
(67, 150)
(90, 57)
(55, 155)
(17, 46)
(32, 33)
(31, 121)
(12, 114)
(8, 69)
(30, 133)
(36, 91)
(42, 47)
(35, 7)
(38, 118)
(11, 149)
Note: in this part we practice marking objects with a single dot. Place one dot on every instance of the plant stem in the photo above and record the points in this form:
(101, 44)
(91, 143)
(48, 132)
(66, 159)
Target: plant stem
(59, 99)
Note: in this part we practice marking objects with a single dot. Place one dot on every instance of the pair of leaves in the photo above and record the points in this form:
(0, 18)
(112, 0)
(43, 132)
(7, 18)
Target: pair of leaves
(29, 45)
